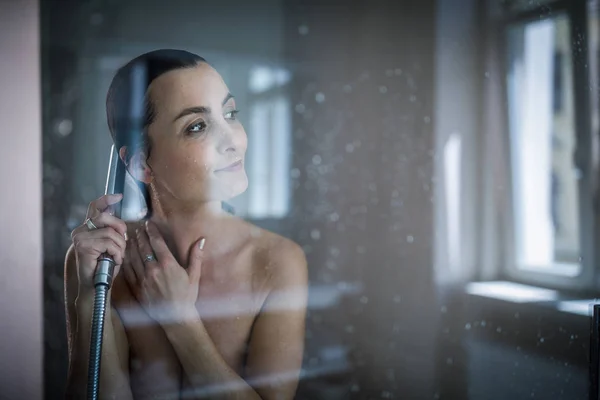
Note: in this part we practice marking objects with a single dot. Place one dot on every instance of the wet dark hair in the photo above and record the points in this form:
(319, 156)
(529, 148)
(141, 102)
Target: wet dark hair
(129, 108)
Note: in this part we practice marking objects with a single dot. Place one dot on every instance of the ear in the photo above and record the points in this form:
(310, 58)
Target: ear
(137, 166)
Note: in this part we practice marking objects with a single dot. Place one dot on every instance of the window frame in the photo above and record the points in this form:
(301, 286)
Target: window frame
(577, 13)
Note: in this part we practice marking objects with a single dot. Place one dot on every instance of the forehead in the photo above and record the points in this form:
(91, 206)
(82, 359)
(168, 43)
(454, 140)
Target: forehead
(189, 87)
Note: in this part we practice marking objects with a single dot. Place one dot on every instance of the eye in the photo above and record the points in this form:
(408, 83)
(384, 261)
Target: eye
(231, 114)
(197, 127)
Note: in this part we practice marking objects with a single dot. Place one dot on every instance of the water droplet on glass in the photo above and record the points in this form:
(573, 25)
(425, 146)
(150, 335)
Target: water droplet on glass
(413, 98)
(487, 74)
(498, 329)
(315, 234)
(364, 299)
(349, 147)
(483, 322)
(449, 361)
(64, 127)
(319, 97)
(383, 89)
(316, 159)
(541, 340)
(386, 395)
(398, 71)
(397, 298)
(443, 309)
(300, 108)
(517, 315)
(410, 239)
(347, 88)
(468, 326)
(303, 30)
(355, 388)
(427, 120)
(349, 328)
(295, 173)
(389, 72)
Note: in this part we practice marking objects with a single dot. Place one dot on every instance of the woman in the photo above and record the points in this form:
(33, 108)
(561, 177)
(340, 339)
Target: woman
(203, 305)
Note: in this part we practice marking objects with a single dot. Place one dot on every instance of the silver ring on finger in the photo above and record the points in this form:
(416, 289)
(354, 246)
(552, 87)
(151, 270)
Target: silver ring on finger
(149, 258)
(90, 225)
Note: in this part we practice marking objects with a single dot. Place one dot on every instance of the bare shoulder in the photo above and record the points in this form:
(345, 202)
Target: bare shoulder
(283, 259)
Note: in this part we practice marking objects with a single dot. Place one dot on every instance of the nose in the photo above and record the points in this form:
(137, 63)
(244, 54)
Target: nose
(229, 141)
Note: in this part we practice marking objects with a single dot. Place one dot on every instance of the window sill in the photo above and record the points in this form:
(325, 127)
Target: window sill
(537, 320)
(512, 292)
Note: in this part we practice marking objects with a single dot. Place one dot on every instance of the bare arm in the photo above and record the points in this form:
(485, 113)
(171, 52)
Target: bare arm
(275, 348)
(277, 342)
(114, 378)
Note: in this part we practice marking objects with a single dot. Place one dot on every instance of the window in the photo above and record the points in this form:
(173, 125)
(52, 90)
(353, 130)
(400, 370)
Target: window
(269, 151)
(542, 144)
(550, 238)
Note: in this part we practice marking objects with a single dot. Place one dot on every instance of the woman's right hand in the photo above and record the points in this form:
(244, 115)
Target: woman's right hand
(110, 237)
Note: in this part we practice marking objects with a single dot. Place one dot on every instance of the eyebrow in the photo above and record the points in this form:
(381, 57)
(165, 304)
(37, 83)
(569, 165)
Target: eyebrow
(201, 109)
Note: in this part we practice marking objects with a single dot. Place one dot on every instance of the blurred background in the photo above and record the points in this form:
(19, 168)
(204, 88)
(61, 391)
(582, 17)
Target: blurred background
(437, 160)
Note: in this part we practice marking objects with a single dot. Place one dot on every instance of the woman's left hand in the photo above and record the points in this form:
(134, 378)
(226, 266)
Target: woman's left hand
(167, 291)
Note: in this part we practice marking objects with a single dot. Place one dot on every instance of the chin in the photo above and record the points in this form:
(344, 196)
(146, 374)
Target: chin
(235, 187)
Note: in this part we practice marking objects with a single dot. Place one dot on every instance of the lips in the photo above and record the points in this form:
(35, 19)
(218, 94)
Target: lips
(236, 166)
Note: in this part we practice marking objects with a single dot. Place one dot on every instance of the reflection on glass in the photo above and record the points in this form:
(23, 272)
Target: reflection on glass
(511, 291)
(452, 152)
(541, 118)
(269, 149)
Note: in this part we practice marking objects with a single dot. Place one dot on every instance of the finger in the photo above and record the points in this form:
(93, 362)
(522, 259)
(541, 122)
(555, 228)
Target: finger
(136, 262)
(129, 273)
(145, 249)
(105, 219)
(195, 261)
(100, 234)
(80, 229)
(158, 244)
(95, 247)
(102, 203)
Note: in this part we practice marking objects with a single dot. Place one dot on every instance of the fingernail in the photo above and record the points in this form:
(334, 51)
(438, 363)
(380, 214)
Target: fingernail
(125, 236)
(201, 244)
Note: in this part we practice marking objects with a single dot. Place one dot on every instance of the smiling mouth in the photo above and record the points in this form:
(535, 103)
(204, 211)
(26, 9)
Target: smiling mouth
(236, 166)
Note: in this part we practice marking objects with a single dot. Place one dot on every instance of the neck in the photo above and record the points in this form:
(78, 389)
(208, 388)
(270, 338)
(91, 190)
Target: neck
(183, 225)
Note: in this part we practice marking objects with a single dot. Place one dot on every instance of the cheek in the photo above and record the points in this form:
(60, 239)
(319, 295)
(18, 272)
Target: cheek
(196, 163)
(190, 162)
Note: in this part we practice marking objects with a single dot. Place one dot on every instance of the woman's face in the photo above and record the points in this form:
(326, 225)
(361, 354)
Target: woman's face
(197, 143)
